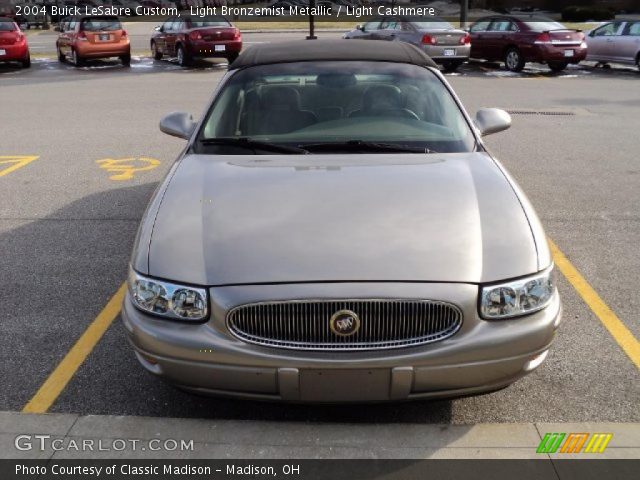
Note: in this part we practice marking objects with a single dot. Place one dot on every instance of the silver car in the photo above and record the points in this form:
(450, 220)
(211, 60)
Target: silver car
(615, 42)
(336, 231)
(446, 45)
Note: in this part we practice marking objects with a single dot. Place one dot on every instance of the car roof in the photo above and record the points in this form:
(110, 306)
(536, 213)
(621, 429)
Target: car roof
(331, 50)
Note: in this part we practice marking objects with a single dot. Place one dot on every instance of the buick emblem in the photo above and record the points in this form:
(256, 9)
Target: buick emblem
(344, 323)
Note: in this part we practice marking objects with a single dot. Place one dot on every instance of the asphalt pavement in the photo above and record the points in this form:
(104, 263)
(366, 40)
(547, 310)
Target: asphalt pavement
(84, 154)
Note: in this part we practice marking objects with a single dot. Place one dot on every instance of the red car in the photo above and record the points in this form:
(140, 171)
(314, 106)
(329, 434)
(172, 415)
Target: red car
(13, 43)
(517, 39)
(188, 38)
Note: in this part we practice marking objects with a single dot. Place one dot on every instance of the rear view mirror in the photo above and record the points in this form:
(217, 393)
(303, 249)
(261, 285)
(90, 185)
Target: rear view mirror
(492, 120)
(178, 124)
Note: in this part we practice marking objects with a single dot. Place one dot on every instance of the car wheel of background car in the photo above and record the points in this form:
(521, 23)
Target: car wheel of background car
(638, 62)
(76, 59)
(514, 60)
(61, 56)
(232, 56)
(183, 59)
(26, 63)
(157, 54)
(126, 59)
(557, 66)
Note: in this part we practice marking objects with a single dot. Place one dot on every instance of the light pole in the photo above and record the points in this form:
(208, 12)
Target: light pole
(464, 13)
(312, 6)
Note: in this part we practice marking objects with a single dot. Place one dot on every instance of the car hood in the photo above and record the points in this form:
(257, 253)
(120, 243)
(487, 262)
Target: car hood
(316, 218)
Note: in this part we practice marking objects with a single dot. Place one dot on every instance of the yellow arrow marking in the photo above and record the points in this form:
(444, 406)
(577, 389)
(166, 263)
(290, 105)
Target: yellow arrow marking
(15, 162)
(126, 168)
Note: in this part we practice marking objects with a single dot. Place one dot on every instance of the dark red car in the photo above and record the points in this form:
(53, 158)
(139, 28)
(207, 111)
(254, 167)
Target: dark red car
(13, 43)
(517, 39)
(188, 38)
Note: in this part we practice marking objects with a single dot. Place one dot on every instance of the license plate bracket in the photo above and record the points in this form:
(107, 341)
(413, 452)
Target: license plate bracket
(219, 48)
(2, 52)
(568, 53)
(343, 385)
(449, 52)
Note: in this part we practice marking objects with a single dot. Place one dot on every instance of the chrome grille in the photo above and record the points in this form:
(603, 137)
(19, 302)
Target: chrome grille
(304, 325)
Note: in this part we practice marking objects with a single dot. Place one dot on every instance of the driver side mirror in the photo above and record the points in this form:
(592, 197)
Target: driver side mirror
(360, 27)
(492, 120)
(178, 124)
(158, 28)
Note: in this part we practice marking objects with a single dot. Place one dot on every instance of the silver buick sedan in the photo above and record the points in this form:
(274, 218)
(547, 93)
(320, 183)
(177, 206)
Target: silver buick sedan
(336, 231)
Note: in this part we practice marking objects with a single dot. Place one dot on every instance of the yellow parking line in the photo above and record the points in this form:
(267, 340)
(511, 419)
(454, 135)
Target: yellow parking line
(611, 322)
(66, 369)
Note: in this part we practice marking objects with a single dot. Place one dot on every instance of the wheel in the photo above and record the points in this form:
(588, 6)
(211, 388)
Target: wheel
(126, 59)
(183, 59)
(557, 66)
(451, 66)
(26, 63)
(638, 62)
(513, 60)
(232, 57)
(76, 59)
(61, 56)
(155, 53)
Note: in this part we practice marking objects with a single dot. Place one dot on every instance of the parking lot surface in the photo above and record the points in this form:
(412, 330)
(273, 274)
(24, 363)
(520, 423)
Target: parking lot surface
(81, 154)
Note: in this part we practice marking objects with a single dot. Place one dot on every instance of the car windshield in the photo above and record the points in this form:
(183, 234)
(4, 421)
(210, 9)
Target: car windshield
(541, 26)
(210, 22)
(309, 103)
(101, 24)
(7, 26)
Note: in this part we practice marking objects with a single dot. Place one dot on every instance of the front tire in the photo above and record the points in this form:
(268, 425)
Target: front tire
(155, 53)
(183, 59)
(513, 60)
(557, 66)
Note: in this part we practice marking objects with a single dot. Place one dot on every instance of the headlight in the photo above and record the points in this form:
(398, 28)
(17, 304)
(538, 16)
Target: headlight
(168, 299)
(517, 297)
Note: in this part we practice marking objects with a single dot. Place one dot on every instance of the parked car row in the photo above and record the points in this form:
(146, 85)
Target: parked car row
(512, 39)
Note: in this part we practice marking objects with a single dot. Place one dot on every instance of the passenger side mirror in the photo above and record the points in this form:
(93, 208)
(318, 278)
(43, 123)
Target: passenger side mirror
(158, 28)
(360, 27)
(178, 124)
(492, 120)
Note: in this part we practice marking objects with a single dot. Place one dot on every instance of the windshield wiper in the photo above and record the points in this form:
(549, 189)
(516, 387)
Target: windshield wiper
(362, 146)
(254, 145)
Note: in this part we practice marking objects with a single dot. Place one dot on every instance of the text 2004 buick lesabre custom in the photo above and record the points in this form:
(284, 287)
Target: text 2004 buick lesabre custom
(335, 230)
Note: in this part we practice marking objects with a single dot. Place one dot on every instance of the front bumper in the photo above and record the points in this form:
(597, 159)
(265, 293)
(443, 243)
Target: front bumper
(482, 356)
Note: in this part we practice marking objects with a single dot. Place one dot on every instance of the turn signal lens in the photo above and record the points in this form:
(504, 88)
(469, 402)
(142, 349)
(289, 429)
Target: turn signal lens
(518, 297)
(168, 299)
